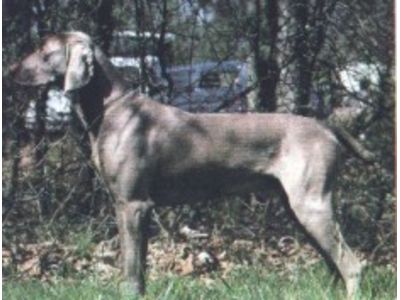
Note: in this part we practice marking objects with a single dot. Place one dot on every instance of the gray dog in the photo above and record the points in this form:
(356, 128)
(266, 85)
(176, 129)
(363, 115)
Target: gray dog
(153, 154)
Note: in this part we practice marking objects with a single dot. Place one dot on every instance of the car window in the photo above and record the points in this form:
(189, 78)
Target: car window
(184, 78)
(227, 79)
(210, 80)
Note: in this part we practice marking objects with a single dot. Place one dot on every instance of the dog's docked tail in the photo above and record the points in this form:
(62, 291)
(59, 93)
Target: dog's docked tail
(350, 142)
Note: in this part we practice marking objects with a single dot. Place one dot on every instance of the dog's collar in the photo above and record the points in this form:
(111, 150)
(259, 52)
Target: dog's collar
(130, 93)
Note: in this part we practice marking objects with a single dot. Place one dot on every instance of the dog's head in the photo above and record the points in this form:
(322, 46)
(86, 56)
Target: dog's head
(66, 55)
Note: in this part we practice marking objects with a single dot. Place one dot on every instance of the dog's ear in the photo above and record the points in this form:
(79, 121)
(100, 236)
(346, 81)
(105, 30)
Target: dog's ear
(79, 58)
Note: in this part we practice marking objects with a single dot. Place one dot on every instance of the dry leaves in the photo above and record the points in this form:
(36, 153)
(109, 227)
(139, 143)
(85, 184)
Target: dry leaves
(195, 257)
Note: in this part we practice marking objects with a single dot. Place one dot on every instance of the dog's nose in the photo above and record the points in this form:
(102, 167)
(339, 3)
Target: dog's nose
(20, 74)
(13, 69)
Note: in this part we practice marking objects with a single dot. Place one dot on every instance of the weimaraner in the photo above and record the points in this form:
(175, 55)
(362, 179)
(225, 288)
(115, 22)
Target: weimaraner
(153, 154)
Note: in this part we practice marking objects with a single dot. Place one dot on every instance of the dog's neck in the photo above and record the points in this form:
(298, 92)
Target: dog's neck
(106, 86)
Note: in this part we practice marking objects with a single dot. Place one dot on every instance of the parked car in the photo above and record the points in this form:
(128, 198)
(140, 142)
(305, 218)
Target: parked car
(208, 86)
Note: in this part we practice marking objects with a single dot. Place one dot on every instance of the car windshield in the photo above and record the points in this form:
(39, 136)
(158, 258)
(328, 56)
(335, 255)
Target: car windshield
(131, 44)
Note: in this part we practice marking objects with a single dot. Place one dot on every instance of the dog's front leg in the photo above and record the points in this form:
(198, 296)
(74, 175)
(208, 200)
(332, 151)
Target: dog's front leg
(133, 218)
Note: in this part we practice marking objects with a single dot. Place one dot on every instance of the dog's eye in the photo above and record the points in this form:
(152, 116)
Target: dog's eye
(46, 57)
(52, 56)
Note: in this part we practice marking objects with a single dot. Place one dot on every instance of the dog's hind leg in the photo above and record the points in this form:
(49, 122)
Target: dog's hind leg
(312, 207)
(316, 216)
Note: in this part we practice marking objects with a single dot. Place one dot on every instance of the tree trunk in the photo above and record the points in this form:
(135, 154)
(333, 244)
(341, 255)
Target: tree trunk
(162, 55)
(140, 29)
(268, 69)
(301, 55)
(41, 147)
(264, 44)
(105, 24)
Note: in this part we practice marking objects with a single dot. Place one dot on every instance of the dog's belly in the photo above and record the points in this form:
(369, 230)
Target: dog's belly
(204, 184)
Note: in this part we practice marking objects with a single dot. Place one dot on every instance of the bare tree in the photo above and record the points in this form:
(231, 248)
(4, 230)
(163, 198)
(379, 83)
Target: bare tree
(265, 47)
(311, 22)
(105, 23)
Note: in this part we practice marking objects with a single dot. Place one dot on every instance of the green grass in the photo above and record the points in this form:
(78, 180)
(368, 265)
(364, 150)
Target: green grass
(245, 283)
